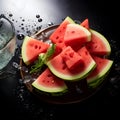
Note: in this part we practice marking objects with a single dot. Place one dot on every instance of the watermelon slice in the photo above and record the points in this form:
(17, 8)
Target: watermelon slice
(59, 68)
(57, 37)
(47, 82)
(31, 48)
(76, 36)
(85, 24)
(98, 45)
(98, 74)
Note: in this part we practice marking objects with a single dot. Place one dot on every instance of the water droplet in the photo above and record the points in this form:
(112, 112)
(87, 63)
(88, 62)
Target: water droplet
(37, 16)
(23, 20)
(21, 81)
(79, 90)
(50, 23)
(21, 97)
(38, 28)
(40, 20)
(24, 69)
(115, 80)
(18, 31)
(77, 21)
(27, 29)
(34, 24)
(16, 65)
(2, 15)
(28, 32)
(22, 28)
(20, 36)
(27, 79)
(10, 15)
(44, 35)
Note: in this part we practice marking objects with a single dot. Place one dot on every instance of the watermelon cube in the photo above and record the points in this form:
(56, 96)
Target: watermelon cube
(71, 58)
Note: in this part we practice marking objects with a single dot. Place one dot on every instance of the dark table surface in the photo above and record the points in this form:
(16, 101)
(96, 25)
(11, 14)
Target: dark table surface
(28, 16)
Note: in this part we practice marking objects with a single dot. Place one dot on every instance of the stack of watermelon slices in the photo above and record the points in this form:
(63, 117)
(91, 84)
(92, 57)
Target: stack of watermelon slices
(81, 53)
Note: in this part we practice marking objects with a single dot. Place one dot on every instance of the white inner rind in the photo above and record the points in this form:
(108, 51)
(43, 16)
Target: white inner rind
(101, 74)
(24, 56)
(49, 89)
(103, 39)
(78, 76)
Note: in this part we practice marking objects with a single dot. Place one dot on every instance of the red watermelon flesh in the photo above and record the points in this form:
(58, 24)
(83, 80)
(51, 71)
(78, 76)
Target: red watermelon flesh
(76, 36)
(84, 53)
(48, 82)
(31, 48)
(57, 37)
(102, 67)
(71, 58)
(85, 23)
(60, 69)
(98, 45)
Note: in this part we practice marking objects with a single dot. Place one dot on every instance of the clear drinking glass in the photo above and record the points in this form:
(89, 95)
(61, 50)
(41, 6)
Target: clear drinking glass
(7, 42)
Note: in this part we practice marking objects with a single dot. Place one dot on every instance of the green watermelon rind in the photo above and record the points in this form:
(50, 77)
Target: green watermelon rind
(100, 75)
(59, 90)
(70, 20)
(50, 93)
(76, 77)
(103, 39)
(24, 56)
(49, 89)
(96, 83)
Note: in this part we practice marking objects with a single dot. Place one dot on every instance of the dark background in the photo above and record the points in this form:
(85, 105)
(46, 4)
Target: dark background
(16, 102)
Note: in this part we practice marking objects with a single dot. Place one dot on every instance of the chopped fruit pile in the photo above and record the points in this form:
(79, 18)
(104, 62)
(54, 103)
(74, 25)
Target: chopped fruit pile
(76, 53)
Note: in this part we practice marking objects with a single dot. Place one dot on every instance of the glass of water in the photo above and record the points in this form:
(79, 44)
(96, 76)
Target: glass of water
(7, 42)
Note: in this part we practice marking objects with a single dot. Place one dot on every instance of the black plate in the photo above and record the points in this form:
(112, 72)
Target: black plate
(77, 94)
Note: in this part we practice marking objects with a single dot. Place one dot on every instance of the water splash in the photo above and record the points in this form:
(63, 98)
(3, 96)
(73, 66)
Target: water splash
(19, 67)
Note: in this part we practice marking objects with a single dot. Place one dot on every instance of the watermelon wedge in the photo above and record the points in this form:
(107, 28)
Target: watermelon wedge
(85, 24)
(57, 37)
(99, 73)
(98, 45)
(31, 48)
(49, 83)
(76, 36)
(58, 67)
